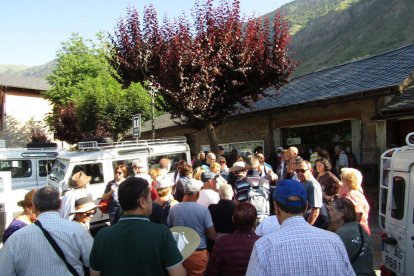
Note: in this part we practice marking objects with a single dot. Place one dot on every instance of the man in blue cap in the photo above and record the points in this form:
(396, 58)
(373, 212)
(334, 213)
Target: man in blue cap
(297, 248)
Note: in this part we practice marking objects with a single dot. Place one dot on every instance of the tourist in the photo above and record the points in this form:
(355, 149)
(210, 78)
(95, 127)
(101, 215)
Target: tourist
(27, 217)
(231, 253)
(297, 248)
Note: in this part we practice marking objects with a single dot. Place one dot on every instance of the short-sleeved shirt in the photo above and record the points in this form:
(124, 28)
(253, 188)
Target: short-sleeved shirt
(207, 197)
(115, 193)
(28, 252)
(67, 205)
(314, 192)
(267, 226)
(192, 215)
(13, 227)
(134, 246)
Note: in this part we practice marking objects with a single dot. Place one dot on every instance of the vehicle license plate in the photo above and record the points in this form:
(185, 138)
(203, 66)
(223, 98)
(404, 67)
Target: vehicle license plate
(393, 257)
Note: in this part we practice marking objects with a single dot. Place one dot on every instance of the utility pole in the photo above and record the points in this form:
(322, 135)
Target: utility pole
(153, 91)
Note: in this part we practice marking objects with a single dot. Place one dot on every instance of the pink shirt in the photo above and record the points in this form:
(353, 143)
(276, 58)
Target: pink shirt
(361, 205)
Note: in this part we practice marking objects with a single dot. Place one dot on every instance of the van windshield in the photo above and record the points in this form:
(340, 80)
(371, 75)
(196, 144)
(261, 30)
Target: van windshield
(58, 171)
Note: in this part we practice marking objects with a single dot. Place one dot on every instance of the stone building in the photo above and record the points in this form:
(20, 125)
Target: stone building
(364, 105)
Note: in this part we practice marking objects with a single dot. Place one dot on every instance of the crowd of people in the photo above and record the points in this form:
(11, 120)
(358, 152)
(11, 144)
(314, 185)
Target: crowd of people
(289, 216)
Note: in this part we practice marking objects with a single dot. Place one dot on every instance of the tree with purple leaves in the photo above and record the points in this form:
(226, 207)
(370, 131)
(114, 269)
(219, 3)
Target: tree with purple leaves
(207, 70)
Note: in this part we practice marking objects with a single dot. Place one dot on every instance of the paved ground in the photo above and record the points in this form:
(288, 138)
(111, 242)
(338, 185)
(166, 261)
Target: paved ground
(372, 194)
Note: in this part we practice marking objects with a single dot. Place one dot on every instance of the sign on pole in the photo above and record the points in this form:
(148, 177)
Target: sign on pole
(136, 126)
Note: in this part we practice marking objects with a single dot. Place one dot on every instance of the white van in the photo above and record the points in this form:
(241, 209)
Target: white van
(396, 209)
(26, 169)
(99, 160)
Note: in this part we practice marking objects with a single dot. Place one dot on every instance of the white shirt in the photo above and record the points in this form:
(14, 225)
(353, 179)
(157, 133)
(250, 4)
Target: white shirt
(28, 252)
(267, 226)
(298, 248)
(68, 202)
(145, 176)
(207, 197)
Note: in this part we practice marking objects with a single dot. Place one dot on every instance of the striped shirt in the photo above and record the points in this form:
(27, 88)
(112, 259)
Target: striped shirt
(298, 248)
(28, 252)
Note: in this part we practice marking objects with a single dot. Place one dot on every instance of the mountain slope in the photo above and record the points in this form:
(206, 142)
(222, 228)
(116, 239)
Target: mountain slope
(41, 71)
(366, 28)
(300, 12)
(12, 69)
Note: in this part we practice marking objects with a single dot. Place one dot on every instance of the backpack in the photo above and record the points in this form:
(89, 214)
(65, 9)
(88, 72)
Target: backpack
(258, 196)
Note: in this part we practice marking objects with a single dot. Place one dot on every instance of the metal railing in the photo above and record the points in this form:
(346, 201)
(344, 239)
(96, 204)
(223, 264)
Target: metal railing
(94, 145)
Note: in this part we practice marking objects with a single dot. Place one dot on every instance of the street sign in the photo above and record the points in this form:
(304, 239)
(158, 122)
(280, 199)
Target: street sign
(136, 126)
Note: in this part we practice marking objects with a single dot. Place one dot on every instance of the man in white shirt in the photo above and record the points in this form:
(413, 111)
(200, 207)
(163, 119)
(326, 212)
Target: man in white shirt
(209, 194)
(297, 248)
(80, 185)
(28, 252)
(341, 159)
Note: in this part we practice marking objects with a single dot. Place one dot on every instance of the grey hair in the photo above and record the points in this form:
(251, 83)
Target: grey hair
(226, 191)
(47, 199)
(211, 155)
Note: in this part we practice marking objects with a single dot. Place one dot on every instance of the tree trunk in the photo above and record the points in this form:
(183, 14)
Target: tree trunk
(212, 138)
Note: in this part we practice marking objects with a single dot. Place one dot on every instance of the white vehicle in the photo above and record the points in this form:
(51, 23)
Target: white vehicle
(99, 160)
(396, 209)
(27, 169)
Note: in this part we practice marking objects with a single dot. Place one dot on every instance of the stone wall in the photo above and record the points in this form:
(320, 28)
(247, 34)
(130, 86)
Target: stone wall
(260, 126)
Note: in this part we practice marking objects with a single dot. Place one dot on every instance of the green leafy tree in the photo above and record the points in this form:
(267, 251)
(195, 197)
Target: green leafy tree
(87, 97)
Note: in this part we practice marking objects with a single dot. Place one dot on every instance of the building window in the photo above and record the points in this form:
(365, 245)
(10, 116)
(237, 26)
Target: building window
(325, 135)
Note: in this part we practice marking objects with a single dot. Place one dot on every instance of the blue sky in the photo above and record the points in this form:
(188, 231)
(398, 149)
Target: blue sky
(31, 31)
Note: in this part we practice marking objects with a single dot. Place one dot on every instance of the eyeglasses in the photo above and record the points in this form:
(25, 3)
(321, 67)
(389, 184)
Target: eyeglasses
(90, 213)
(301, 171)
(119, 172)
(222, 162)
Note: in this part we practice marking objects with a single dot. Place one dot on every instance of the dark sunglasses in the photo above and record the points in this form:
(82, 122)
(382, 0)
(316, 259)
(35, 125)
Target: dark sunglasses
(222, 162)
(119, 173)
(301, 171)
(90, 213)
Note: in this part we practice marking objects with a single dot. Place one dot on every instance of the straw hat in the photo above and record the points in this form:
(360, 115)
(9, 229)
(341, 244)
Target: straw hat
(187, 237)
(84, 204)
(80, 179)
(28, 199)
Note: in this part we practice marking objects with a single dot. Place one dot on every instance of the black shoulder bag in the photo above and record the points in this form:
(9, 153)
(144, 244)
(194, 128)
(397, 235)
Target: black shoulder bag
(56, 248)
(362, 244)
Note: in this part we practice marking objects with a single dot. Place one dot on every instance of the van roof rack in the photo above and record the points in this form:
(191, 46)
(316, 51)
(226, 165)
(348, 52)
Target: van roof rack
(94, 145)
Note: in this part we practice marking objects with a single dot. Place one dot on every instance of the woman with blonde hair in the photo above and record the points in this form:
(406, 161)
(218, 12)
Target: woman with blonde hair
(28, 215)
(215, 167)
(197, 173)
(351, 189)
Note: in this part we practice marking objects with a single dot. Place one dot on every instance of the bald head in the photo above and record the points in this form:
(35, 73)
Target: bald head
(293, 150)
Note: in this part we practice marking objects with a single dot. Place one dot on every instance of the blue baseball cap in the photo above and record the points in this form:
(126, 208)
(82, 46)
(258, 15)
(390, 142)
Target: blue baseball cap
(206, 176)
(287, 188)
